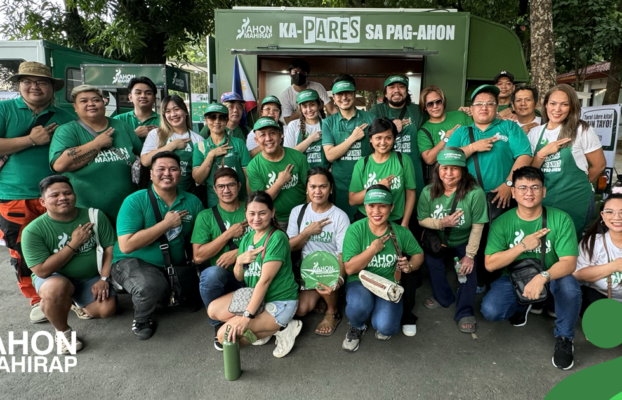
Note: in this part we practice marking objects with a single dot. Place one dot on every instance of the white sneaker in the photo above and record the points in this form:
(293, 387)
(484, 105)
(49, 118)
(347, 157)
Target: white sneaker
(261, 342)
(65, 349)
(80, 312)
(380, 336)
(285, 339)
(409, 330)
(36, 314)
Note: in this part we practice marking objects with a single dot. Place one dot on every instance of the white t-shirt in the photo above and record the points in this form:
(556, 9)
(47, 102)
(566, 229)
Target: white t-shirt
(293, 129)
(600, 258)
(331, 238)
(151, 142)
(537, 120)
(250, 141)
(289, 96)
(586, 142)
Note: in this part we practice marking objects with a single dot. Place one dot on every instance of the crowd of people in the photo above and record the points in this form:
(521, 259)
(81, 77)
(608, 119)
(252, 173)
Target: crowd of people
(96, 206)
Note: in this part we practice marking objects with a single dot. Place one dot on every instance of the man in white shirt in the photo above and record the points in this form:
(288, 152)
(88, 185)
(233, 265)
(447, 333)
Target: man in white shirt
(524, 102)
(299, 69)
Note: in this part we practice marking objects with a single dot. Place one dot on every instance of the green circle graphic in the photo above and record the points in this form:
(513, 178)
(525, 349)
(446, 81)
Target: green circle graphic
(602, 324)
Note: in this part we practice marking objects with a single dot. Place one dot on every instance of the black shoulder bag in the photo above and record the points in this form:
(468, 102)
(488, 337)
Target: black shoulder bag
(523, 271)
(494, 212)
(297, 254)
(432, 242)
(40, 121)
(183, 280)
(223, 229)
(427, 169)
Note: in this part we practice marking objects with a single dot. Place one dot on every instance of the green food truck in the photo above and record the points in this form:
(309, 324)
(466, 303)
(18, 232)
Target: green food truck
(454, 50)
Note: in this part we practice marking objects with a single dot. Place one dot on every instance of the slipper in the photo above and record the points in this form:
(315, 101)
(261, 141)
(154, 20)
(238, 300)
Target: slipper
(467, 320)
(329, 321)
(435, 304)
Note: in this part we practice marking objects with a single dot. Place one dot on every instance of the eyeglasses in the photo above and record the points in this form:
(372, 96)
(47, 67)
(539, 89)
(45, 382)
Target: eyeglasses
(230, 186)
(214, 117)
(610, 213)
(523, 189)
(28, 83)
(481, 105)
(431, 104)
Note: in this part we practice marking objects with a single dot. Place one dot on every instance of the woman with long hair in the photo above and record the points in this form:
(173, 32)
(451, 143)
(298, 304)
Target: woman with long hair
(174, 134)
(264, 263)
(599, 265)
(569, 153)
(305, 134)
(322, 227)
(453, 205)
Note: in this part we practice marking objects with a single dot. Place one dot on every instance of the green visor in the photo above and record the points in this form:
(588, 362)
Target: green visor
(375, 196)
(266, 122)
(396, 79)
(216, 108)
(491, 88)
(271, 99)
(307, 95)
(451, 157)
(343, 86)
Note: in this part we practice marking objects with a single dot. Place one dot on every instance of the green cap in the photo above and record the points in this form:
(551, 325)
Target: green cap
(307, 95)
(451, 157)
(343, 86)
(271, 99)
(396, 79)
(216, 108)
(266, 122)
(319, 267)
(378, 196)
(486, 87)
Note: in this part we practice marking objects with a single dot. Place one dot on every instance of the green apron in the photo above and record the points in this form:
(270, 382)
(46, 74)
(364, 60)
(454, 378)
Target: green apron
(232, 160)
(567, 186)
(185, 158)
(344, 167)
(315, 153)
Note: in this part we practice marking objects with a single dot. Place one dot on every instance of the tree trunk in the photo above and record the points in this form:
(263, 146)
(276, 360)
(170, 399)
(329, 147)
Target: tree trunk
(543, 72)
(614, 80)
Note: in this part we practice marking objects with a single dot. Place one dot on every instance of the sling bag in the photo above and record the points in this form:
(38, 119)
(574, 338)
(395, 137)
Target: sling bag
(221, 226)
(427, 169)
(432, 242)
(297, 254)
(609, 260)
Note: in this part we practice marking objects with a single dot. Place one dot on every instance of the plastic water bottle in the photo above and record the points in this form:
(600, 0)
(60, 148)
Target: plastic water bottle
(231, 357)
(457, 265)
(251, 247)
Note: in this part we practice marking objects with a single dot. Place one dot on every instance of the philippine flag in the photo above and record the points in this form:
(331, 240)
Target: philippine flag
(241, 87)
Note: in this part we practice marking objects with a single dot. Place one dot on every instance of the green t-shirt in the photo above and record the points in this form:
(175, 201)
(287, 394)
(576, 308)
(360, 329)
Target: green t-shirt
(263, 173)
(359, 237)
(283, 286)
(136, 214)
(132, 120)
(372, 173)
(236, 133)
(502, 107)
(106, 181)
(20, 177)
(437, 130)
(496, 164)
(236, 158)
(473, 205)
(206, 228)
(508, 231)
(45, 236)
(406, 142)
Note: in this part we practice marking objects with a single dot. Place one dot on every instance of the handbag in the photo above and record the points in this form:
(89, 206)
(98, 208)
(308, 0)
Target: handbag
(610, 260)
(183, 279)
(523, 271)
(431, 242)
(135, 167)
(242, 296)
(296, 255)
(493, 211)
(40, 121)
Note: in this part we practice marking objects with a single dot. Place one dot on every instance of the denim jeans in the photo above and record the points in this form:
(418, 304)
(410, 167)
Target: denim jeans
(500, 303)
(217, 282)
(145, 282)
(442, 291)
(361, 303)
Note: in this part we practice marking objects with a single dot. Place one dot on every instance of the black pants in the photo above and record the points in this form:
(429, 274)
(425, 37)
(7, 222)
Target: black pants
(589, 296)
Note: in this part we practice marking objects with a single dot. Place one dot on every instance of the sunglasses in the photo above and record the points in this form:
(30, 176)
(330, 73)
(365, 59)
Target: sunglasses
(214, 117)
(431, 104)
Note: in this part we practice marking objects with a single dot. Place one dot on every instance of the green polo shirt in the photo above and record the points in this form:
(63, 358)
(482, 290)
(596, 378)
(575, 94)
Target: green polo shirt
(238, 132)
(136, 214)
(20, 177)
(107, 180)
(437, 129)
(132, 120)
(496, 164)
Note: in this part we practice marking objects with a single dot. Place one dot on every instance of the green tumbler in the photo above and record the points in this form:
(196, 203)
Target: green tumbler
(231, 355)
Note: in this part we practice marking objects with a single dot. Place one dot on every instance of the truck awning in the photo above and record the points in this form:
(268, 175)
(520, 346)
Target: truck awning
(279, 51)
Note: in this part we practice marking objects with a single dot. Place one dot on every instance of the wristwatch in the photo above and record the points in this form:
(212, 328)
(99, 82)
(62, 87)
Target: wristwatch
(105, 279)
(546, 276)
(247, 314)
(446, 139)
(509, 183)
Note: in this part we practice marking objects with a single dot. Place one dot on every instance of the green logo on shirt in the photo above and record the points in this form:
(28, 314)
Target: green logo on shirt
(520, 235)
(64, 239)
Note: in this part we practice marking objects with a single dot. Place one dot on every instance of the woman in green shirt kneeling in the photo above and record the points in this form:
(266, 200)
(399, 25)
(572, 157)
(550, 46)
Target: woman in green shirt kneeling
(453, 210)
(264, 263)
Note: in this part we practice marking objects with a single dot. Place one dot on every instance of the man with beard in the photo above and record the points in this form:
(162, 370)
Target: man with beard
(235, 103)
(298, 71)
(398, 106)
(524, 102)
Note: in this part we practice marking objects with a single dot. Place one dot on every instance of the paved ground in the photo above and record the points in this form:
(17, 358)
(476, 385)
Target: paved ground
(180, 361)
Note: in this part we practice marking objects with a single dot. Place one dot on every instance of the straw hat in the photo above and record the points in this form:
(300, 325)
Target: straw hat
(33, 68)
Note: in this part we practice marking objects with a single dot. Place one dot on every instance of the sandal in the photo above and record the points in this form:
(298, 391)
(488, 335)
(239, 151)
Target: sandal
(467, 320)
(329, 321)
(435, 304)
